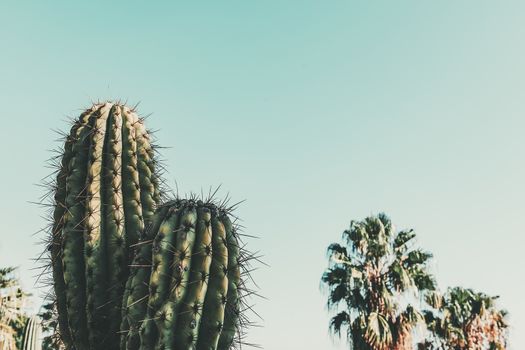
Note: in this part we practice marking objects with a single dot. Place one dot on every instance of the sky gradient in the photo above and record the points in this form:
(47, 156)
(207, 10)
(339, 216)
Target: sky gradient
(315, 112)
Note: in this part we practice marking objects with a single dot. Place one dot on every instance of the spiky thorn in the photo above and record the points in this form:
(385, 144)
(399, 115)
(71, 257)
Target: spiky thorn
(134, 109)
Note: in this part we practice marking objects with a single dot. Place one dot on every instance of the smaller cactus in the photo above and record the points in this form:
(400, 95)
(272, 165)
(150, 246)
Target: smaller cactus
(188, 282)
(33, 334)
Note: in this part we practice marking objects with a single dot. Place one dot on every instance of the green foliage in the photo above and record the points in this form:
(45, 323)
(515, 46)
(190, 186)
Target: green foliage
(465, 319)
(18, 325)
(12, 318)
(49, 317)
(368, 276)
(6, 277)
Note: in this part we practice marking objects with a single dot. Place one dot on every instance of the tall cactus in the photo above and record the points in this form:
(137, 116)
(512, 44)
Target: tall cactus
(186, 283)
(106, 190)
(32, 334)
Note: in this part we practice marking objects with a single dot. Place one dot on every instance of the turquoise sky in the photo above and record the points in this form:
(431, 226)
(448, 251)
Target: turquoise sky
(315, 112)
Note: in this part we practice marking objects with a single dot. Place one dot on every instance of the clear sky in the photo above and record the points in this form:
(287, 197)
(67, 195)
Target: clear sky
(315, 112)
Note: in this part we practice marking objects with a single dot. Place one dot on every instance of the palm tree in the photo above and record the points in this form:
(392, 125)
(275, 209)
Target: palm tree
(464, 319)
(373, 281)
(49, 317)
(11, 304)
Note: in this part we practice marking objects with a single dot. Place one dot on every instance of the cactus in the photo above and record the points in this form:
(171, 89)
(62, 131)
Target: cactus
(32, 334)
(106, 189)
(187, 283)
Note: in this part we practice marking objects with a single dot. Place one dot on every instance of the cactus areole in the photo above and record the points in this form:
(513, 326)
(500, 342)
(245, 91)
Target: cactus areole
(106, 190)
(185, 284)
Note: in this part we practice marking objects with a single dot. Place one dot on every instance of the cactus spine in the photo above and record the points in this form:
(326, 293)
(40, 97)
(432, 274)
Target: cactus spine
(106, 189)
(191, 260)
(32, 335)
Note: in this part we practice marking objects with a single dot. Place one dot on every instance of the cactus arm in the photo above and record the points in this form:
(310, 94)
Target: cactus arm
(212, 318)
(193, 271)
(190, 310)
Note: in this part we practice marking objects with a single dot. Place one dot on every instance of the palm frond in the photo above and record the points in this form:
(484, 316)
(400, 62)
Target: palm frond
(339, 321)
(378, 333)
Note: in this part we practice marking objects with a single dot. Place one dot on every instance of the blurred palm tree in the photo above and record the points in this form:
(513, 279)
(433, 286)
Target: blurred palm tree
(49, 317)
(463, 319)
(12, 318)
(372, 280)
